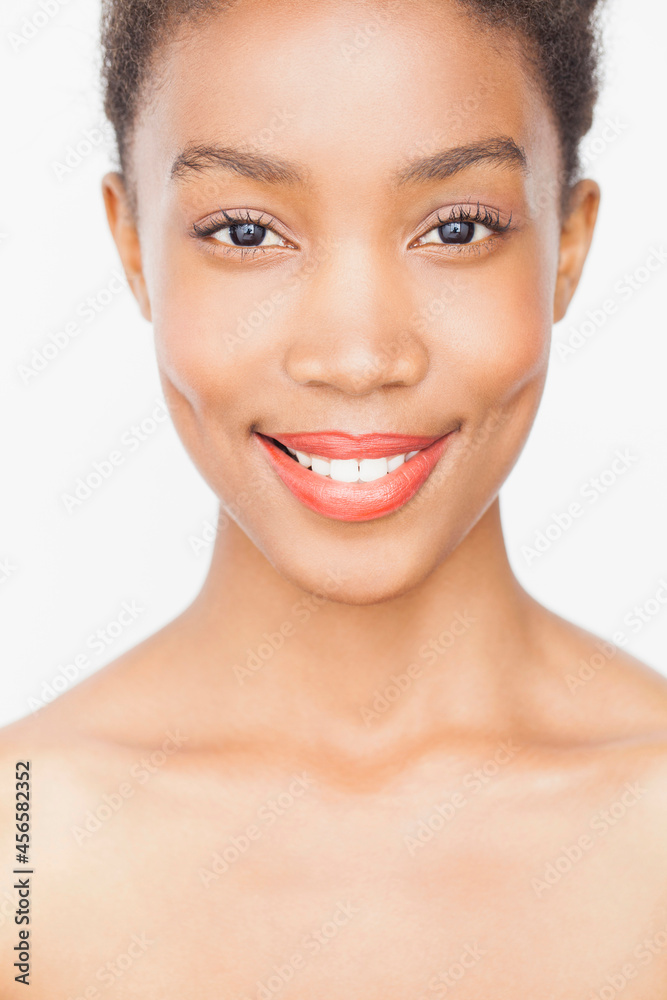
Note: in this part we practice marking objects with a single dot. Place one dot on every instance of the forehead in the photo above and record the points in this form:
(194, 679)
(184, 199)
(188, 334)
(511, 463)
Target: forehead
(342, 88)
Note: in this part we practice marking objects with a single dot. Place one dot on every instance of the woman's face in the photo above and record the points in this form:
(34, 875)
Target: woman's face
(349, 222)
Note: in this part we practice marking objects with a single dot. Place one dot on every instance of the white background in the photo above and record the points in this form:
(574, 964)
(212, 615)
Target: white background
(67, 574)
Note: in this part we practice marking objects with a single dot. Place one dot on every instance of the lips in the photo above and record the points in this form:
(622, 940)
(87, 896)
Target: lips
(339, 445)
(353, 501)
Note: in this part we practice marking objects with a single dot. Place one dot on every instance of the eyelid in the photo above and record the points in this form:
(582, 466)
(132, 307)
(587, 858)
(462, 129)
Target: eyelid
(497, 222)
(468, 211)
(204, 229)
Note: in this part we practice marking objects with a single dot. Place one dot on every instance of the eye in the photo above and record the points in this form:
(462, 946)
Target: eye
(456, 232)
(243, 230)
(467, 225)
(247, 234)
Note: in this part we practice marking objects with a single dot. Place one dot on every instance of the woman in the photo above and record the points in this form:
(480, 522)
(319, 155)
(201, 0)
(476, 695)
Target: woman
(364, 762)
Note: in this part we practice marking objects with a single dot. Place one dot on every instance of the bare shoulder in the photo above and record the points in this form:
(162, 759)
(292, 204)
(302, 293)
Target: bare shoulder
(45, 784)
(62, 773)
(89, 739)
(110, 711)
(86, 744)
(609, 710)
(597, 683)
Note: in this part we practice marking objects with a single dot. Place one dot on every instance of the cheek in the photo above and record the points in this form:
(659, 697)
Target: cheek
(193, 321)
(201, 384)
(215, 332)
(497, 333)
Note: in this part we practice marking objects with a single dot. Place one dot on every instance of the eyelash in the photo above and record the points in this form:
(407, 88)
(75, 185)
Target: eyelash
(481, 214)
(205, 230)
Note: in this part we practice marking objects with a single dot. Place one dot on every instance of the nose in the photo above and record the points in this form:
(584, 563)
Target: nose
(354, 333)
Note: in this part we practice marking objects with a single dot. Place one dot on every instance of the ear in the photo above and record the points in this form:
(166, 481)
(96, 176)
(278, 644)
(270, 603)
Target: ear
(126, 237)
(575, 240)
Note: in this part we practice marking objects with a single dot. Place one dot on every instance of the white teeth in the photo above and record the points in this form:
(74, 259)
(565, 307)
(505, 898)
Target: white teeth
(344, 470)
(372, 468)
(321, 465)
(349, 470)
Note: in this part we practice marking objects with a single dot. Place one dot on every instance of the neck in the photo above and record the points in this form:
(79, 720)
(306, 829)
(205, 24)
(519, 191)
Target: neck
(448, 653)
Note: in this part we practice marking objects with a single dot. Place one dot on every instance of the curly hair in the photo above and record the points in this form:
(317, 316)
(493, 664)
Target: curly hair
(560, 41)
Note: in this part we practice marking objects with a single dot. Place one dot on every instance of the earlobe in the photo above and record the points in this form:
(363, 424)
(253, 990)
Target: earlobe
(575, 240)
(126, 237)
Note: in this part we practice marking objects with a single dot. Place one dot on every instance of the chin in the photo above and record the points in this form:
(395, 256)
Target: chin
(359, 573)
(352, 585)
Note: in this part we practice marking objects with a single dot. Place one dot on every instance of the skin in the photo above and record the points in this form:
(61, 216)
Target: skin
(267, 822)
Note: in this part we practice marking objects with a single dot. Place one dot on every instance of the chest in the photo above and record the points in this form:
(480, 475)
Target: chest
(291, 895)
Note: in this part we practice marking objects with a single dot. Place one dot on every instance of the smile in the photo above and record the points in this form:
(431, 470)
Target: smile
(349, 470)
(353, 477)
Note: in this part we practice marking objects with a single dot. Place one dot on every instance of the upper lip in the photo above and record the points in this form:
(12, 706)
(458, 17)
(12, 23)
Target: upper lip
(342, 445)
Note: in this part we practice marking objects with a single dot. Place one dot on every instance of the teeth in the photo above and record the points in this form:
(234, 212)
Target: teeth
(372, 468)
(345, 470)
(349, 470)
(321, 465)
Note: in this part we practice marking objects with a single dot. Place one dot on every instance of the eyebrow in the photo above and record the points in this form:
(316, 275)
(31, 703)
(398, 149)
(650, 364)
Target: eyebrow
(501, 151)
(269, 169)
(197, 159)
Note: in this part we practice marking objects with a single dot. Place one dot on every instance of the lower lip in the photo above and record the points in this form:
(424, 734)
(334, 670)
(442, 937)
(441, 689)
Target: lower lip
(354, 501)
